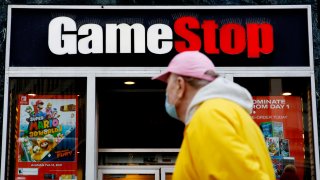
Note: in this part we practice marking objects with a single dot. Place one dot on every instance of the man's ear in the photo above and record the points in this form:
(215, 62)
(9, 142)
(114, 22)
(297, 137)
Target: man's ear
(181, 87)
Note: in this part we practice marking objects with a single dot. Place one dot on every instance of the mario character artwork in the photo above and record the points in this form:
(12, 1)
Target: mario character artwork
(49, 110)
(30, 111)
(59, 137)
(47, 142)
(38, 107)
(44, 130)
(55, 113)
(36, 153)
(31, 114)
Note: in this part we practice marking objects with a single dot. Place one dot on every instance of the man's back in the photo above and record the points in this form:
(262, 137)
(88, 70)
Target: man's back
(223, 142)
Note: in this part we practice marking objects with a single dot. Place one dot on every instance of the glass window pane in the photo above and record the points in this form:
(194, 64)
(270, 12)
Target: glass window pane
(137, 158)
(282, 109)
(46, 128)
(128, 177)
(133, 116)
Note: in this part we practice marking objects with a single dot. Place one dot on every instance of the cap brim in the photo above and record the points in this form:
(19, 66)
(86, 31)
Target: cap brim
(162, 77)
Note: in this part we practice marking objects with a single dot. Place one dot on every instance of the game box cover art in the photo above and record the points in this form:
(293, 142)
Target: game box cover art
(273, 146)
(47, 137)
(272, 129)
(284, 147)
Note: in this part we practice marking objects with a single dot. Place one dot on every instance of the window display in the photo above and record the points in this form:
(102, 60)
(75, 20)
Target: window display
(282, 111)
(47, 142)
(280, 120)
(47, 136)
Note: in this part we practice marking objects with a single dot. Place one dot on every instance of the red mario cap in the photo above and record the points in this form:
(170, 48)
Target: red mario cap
(39, 102)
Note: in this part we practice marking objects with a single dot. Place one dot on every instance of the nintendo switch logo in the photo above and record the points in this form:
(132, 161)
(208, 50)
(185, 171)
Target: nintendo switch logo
(23, 100)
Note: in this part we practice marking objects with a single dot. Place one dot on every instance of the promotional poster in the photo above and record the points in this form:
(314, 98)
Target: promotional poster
(47, 137)
(280, 120)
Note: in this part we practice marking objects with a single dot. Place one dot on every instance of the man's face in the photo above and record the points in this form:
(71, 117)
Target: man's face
(169, 89)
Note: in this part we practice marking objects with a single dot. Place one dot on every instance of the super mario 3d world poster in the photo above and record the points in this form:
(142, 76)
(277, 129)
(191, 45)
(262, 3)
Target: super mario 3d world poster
(47, 137)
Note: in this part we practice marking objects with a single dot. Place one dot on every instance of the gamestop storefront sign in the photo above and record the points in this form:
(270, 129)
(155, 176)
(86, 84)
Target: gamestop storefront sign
(255, 38)
(150, 37)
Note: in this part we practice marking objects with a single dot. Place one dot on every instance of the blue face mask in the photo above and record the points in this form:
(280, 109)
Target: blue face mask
(171, 109)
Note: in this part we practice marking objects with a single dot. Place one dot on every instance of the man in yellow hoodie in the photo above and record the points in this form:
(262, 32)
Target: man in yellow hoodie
(221, 141)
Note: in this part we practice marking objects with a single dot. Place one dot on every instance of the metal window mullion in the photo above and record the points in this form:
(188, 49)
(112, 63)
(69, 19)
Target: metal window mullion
(315, 127)
(4, 127)
(272, 74)
(160, 7)
(91, 127)
(164, 171)
(310, 37)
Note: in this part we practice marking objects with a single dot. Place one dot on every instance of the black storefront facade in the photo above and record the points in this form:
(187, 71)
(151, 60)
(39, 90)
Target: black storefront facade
(80, 104)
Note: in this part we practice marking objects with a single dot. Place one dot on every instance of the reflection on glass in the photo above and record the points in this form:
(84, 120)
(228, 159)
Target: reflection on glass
(285, 121)
(128, 177)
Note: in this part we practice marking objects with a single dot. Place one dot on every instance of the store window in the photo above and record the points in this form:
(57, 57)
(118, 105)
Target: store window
(128, 177)
(282, 109)
(129, 174)
(133, 116)
(134, 128)
(46, 128)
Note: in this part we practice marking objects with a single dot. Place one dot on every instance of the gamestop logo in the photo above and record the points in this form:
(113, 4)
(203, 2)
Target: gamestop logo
(254, 39)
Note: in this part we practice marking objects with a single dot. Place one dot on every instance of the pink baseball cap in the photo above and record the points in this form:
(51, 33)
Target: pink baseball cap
(190, 64)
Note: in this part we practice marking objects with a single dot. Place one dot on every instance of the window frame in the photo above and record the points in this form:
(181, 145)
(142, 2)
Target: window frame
(92, 73)
(132, 170)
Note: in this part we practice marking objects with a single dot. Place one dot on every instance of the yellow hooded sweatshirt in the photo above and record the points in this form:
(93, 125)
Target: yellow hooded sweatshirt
(221, 141)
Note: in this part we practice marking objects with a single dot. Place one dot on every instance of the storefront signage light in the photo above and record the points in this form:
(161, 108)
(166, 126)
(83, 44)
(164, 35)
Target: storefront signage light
(129, 83)
(229, 38)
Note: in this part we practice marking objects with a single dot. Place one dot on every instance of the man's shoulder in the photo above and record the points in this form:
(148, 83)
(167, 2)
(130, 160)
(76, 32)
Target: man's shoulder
(219, 108)
(218, 103)
(210, 108)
